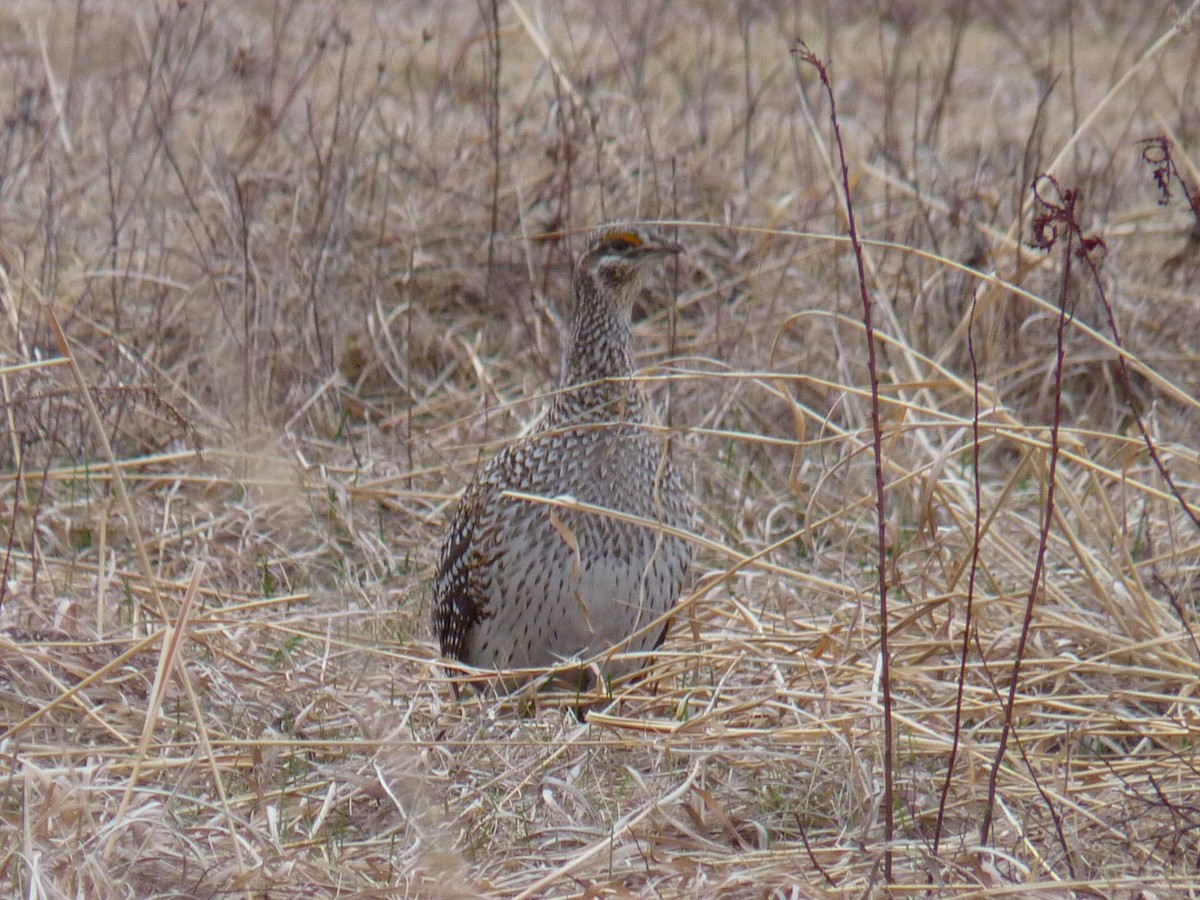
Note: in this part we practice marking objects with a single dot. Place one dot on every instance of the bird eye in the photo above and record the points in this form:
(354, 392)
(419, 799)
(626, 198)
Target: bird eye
(621, 241)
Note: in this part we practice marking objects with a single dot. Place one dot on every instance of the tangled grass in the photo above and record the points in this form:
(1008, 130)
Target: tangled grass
(276, 276)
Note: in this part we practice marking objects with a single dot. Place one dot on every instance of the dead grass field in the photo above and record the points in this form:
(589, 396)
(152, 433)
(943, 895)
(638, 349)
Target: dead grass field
(308, 261)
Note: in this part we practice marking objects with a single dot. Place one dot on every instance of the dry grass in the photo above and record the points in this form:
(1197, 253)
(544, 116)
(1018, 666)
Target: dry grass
(293, 254)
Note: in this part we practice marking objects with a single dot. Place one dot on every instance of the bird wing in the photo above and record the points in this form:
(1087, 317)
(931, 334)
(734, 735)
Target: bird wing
(456, 608)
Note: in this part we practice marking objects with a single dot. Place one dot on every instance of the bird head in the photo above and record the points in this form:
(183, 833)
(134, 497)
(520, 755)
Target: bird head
(618, 261)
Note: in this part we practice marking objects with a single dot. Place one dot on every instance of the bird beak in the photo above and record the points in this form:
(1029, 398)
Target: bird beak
(660, 249)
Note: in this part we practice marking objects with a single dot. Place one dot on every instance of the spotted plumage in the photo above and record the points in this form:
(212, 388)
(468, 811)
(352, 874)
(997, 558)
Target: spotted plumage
(522, 584)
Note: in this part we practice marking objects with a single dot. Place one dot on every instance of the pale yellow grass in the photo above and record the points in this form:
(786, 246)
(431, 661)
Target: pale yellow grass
(298, 253)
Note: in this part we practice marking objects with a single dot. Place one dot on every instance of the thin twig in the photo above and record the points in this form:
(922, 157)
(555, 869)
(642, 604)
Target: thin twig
(1043, 231)
(807, 56)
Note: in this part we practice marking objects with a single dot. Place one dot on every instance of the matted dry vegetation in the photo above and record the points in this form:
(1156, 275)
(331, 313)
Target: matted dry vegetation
(298, 254)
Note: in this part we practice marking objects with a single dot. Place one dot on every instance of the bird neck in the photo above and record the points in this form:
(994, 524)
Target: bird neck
(598, 368)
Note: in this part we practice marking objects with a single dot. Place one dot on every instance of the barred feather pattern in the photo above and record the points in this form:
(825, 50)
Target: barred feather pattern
(522, 584)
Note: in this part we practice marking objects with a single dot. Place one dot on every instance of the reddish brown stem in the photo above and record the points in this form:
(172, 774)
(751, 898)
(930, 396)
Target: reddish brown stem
(807, 56)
